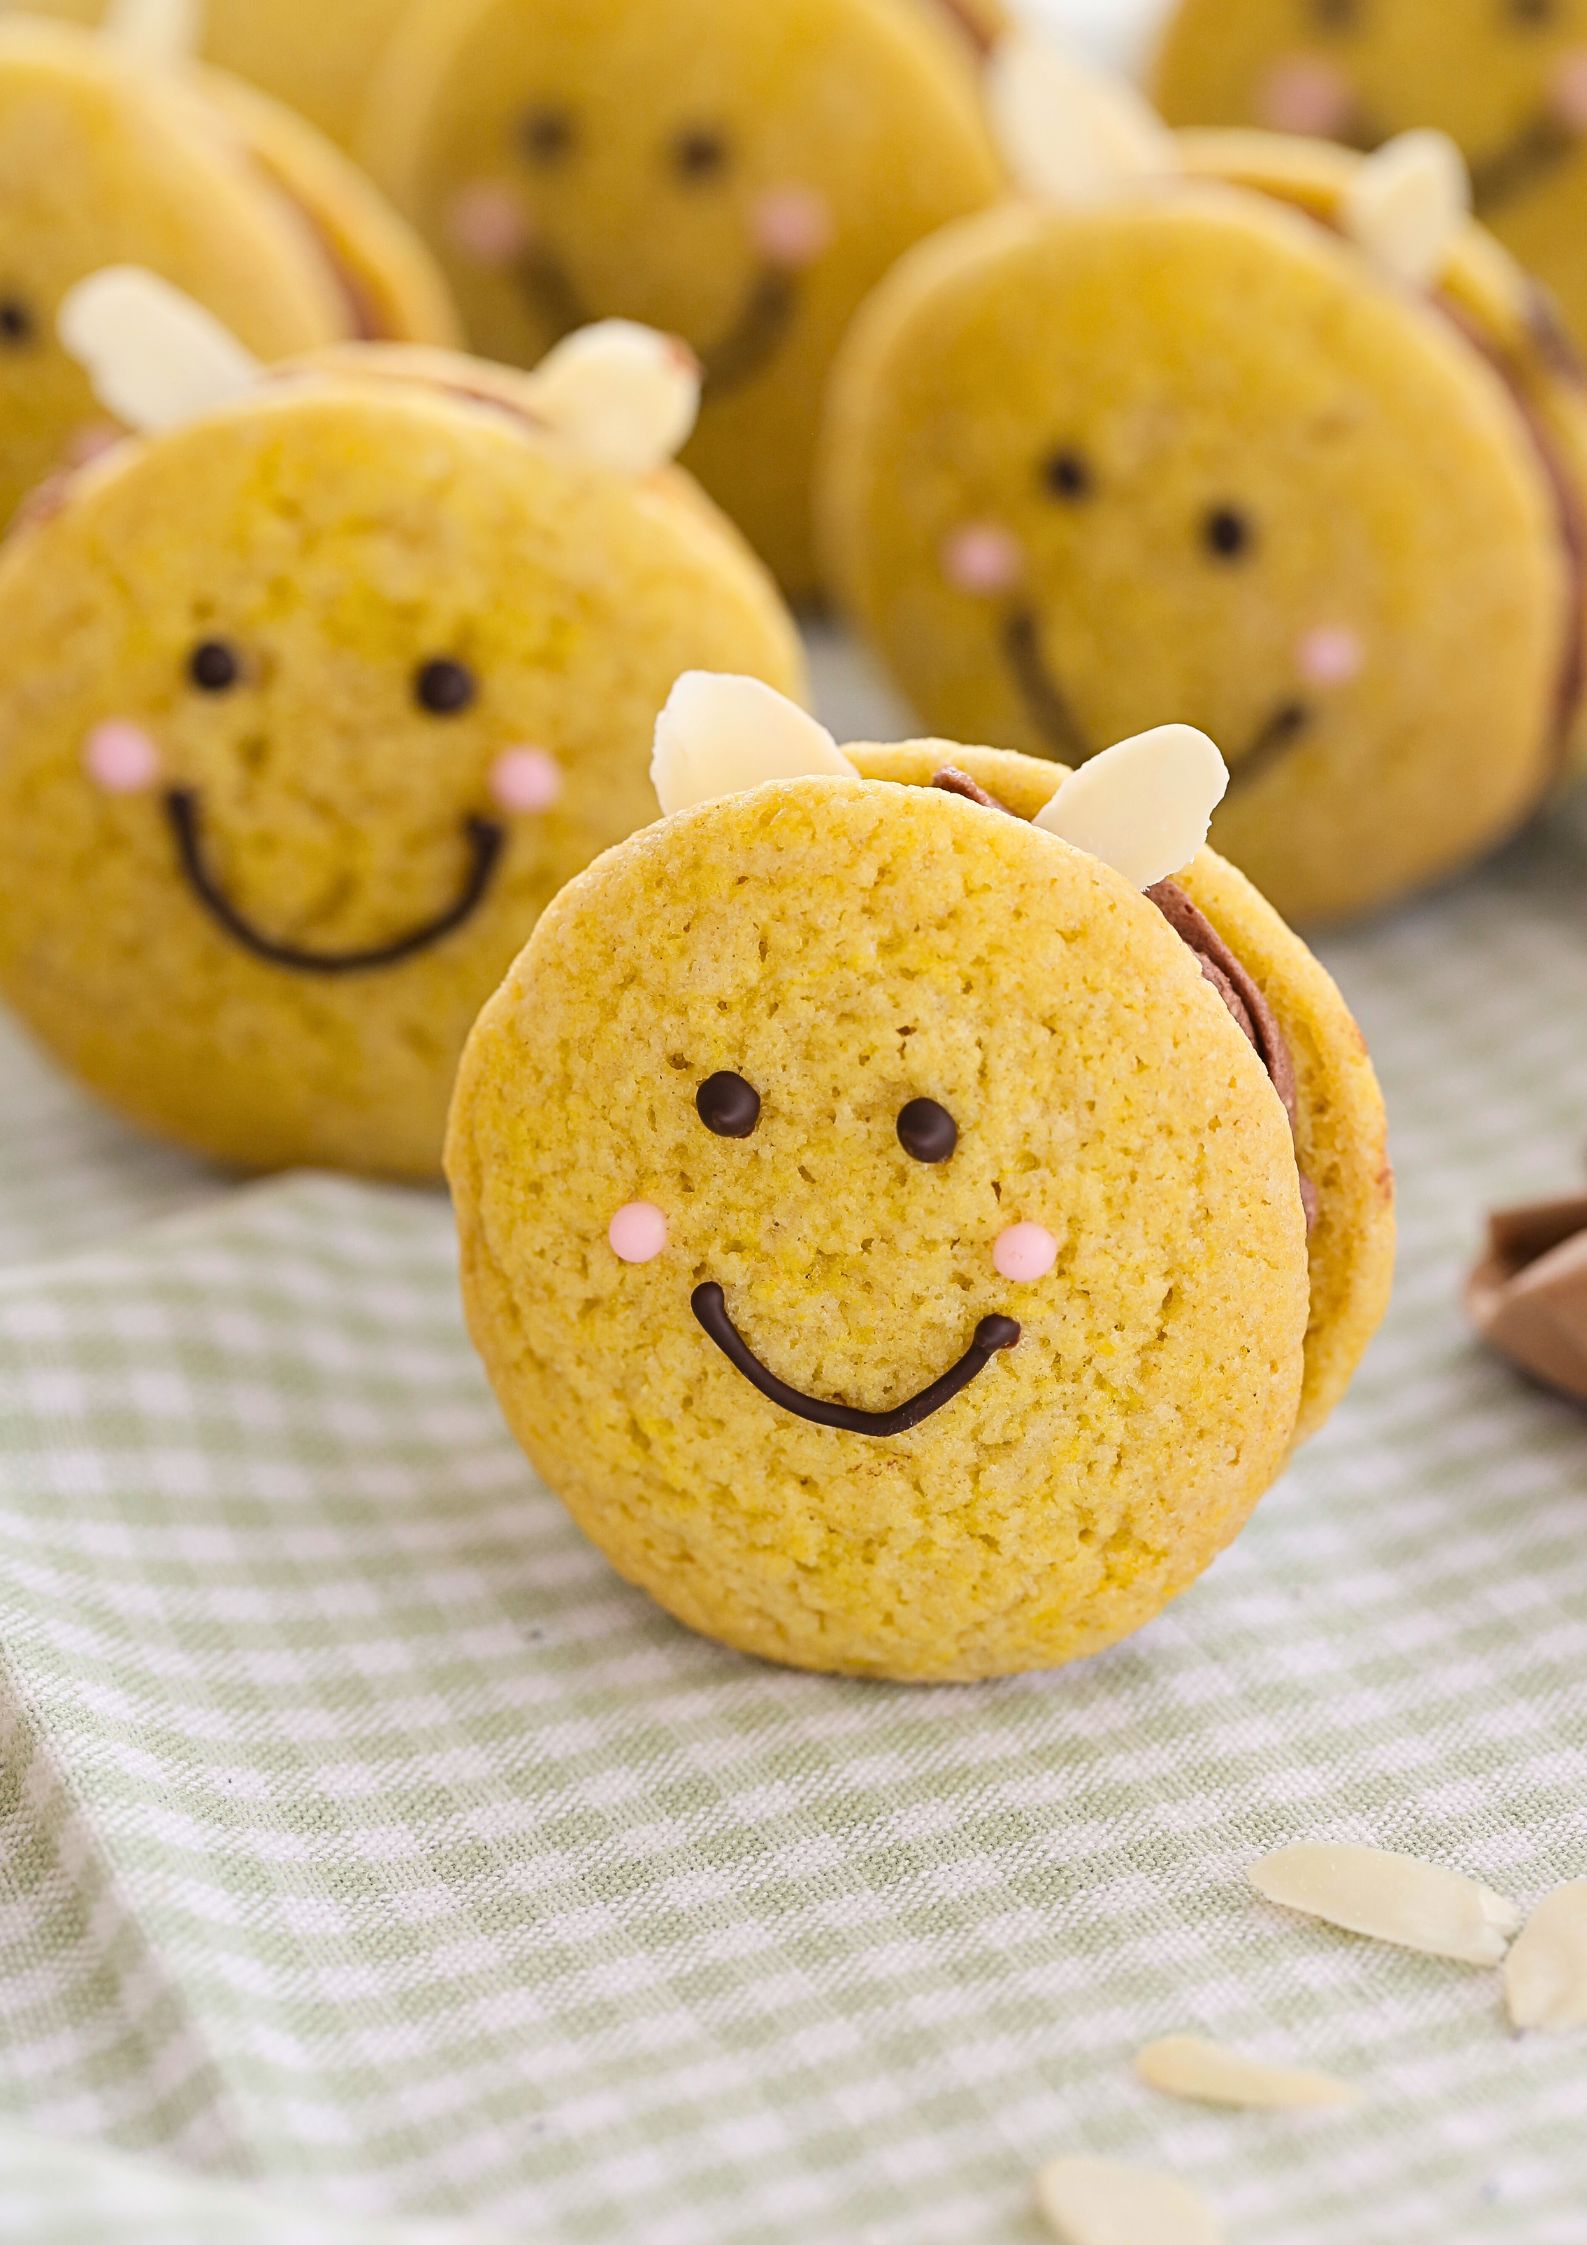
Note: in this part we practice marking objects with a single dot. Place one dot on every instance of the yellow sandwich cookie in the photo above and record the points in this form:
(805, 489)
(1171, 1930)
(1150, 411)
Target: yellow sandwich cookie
(885, 1210)
(737, 175)
(317, 695)
(1250, 430)
(110, 153)
(316, 56)
(1507, 79)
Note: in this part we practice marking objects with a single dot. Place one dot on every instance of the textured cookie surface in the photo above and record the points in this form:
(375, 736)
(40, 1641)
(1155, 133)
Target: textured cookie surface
(1189, 457)
(1506, 78)
(738, 175)
(848, 948)
(401, 657)
(103, 162)
(1341, 1128)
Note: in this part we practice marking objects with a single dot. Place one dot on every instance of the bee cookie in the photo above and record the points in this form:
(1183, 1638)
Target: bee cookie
(115, 150)
(884, 1194)
(318, 60)
(1254, 431)
(317, 694)
(739, 175)
(1507, 79)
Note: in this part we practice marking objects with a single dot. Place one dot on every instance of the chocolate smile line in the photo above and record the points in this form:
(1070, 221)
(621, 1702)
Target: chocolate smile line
(486, 842)
(1060, 728)
(993, 1336)
(742, 352)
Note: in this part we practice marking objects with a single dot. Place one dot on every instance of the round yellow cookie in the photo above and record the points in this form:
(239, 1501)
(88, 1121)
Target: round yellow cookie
(106, 159)
(739, 175)
(887, 1241)
(1191, 452)
(1506, 78)
(310, 707)
(317, 56)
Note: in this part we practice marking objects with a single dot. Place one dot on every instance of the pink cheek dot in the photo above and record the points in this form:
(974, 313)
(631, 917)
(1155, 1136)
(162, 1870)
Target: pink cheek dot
(792, 227)
(526, 780)
(488, 226)
(1302, 95)
(1025, 1253)
(1569, 90)
(638, 1233)
(121, 758)
(980, 558)
(90, 442)
(1331, 657)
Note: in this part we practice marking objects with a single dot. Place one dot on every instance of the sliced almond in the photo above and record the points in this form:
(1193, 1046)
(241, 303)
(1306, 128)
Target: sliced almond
(1395, 1898)
(157, 31)
(1207, 2074)
(155, 358)
(1093, 2202)
(1545, 1974)
(624, 394)
(1144, 807)
(1071, 134)
(721, 735)
(1408, 205)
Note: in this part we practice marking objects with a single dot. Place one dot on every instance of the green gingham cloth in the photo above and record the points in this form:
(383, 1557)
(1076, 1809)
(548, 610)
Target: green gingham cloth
(376, 1869)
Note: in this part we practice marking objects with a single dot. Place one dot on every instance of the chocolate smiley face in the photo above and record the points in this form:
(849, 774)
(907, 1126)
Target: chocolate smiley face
(1507, 79)
(738, 176)
(1191, 454)
(317, 703)
(873, 1256)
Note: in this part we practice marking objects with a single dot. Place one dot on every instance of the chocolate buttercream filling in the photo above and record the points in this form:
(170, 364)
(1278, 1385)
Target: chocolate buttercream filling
(1247, 1002)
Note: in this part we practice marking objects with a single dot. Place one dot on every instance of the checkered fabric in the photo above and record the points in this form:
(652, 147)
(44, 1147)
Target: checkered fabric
(370, 1857)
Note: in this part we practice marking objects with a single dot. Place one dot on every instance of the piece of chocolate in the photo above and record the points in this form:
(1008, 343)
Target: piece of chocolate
(1528, 1295)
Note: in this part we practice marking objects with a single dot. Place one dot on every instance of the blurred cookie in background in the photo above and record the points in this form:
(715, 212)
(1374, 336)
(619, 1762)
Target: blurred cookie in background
(1507, 79)
(1250, 432)
(317, 59)
(116, 149)
(738, 175)
(317, 692)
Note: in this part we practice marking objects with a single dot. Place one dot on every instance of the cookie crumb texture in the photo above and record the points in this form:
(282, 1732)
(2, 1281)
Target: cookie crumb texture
(848, 947)
(737, 172)
(425, 614)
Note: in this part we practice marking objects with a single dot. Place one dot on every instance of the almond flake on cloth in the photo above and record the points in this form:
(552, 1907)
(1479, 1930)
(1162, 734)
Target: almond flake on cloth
(1092, 2202)
(1528, 1295)
(1394, 1898)
(1207, 2073)
(1545, 1975)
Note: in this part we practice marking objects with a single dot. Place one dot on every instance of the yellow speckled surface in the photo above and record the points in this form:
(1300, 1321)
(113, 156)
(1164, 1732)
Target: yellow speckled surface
(848, 946)
(1201, 351)
(338, 532)
(103, 162)
(571, 121)
(1503, 79)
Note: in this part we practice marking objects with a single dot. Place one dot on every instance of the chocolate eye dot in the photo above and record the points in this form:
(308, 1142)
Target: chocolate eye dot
(16, 321)
(1228, 534)
(1534, 15)
(700, 153)
(1337, 15)
(1067, 475)
(728, 1106)
(214, 667)
(546, 135)
(445, 688)
(927, 1132)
